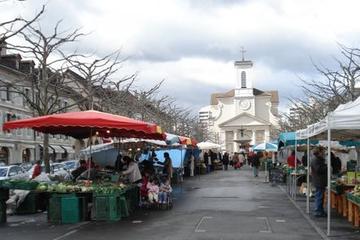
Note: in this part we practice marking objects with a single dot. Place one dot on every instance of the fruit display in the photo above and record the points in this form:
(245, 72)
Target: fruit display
(356, 191)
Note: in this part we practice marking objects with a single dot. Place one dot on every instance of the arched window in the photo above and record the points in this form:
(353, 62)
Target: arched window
(243, 79)
(4, 155)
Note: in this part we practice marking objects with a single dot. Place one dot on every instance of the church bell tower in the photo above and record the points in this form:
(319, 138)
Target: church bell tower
(244, 93)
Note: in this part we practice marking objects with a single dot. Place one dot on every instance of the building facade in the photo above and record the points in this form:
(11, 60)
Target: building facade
(24, 145)
(243, 116)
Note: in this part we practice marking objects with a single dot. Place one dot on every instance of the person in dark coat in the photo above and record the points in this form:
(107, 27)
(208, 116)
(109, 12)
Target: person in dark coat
(319, 179)
(256, 163)
(335, 164)
(119, 164)
(225, 161)
(78, 171)
(304, 159)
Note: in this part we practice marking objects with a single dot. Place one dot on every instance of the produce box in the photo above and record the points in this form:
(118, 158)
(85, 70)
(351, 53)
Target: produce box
(353, 177)
(67, 208)
(107, 208)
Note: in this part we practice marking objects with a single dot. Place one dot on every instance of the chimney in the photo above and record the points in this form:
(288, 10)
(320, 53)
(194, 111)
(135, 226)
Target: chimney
(11, 61)
(27, 66)
(2, 48)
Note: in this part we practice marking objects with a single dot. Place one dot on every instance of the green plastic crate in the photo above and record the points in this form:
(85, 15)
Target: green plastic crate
(54, 210)
(123, 207)
(70, 211)
(29, 205)
(107, 208)
(67, 209)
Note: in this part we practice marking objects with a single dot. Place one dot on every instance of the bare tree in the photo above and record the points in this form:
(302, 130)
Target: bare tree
(95, 82)
(321, 96)
(47, 81)
(14, 26)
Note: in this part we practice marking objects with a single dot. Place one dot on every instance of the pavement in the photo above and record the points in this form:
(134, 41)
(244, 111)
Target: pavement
(223, 205)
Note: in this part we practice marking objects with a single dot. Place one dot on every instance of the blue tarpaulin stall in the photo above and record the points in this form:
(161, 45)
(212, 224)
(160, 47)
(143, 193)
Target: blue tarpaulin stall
(179, 156)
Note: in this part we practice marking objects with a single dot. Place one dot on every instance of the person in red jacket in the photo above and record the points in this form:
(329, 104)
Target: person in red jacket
(37, 169)
(291, 160)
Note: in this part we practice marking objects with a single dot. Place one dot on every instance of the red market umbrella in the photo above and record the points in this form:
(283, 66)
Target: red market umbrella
(83, 124)
(187, 141)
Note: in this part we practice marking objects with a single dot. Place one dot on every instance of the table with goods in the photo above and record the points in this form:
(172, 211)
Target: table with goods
(345, 197)
(69, 202)
(292, 178)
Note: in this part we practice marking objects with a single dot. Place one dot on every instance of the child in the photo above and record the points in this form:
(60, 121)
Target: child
(153, 191)
(165, 189)
(143, 188)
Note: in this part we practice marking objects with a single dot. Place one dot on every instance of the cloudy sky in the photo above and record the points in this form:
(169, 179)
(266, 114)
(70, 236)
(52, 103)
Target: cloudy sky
(192, 43)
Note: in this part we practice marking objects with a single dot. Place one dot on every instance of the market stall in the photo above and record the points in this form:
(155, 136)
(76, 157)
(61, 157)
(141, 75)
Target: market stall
(105, 196)
(343, 124)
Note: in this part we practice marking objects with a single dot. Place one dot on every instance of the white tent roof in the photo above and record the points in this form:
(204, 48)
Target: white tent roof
(97, 148)
(155, 142)
(345, 117)
(208, 145)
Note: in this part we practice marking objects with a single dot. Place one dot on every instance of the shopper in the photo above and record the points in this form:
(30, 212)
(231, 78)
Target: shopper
(225, 161)
(335, 164)
(168, 167)
(256, 163)
(291, 160)
(132, 170)
(207, 161)
(319, 178)
(304, 159)
(37, 169)
(241, 160)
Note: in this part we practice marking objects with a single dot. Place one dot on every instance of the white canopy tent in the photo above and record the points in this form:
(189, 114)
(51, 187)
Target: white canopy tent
(208, 145)
(341, 124)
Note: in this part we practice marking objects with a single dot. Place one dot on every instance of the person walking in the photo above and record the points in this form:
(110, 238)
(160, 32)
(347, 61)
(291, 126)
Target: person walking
(256, 163)
(168, 167)
(319, 178)
(225, 161)
(207, 161)
(241, 160)
(235, 161)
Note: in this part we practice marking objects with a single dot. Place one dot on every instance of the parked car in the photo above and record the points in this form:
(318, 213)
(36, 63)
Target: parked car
(26, 166)
(12, 171)
(71, 164)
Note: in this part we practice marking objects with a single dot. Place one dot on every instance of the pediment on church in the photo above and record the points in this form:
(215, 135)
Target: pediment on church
(244, 119)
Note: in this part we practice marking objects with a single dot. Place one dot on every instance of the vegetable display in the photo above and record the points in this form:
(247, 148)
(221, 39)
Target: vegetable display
(69, 187)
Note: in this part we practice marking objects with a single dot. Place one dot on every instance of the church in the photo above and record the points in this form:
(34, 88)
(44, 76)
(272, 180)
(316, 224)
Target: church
(243, 116)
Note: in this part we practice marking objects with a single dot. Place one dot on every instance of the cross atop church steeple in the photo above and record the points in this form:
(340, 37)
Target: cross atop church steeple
(243, 51)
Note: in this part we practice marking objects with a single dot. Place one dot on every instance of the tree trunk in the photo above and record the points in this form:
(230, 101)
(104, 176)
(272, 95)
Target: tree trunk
(46, 153)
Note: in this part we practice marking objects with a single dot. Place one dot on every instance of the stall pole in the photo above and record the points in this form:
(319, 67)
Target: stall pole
(89, 159)
(182, 167)
(295, 176)
(328, 181)
(308, 177)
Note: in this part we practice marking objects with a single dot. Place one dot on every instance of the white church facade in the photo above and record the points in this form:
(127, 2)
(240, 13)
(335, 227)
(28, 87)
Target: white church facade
(243, 116)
